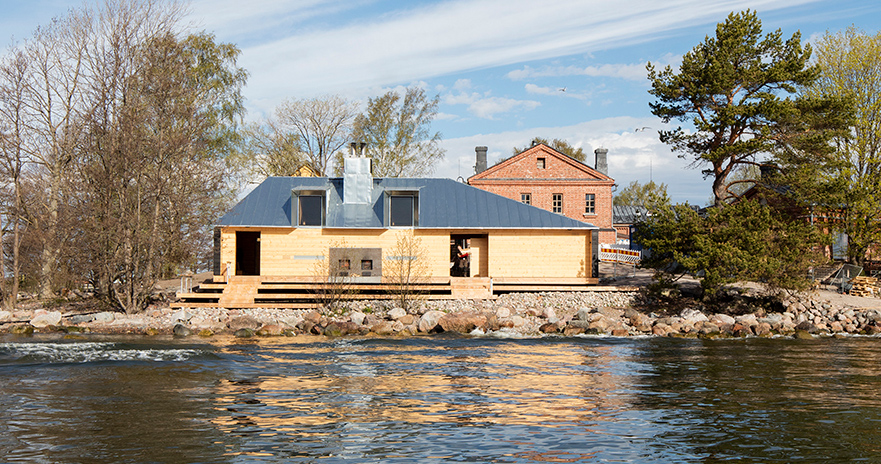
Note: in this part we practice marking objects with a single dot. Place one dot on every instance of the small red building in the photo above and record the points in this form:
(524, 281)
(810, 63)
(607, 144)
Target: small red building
(548, 179)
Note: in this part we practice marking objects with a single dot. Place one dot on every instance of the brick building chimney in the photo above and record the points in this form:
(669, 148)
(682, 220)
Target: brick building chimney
(480, 166)
(602, 162)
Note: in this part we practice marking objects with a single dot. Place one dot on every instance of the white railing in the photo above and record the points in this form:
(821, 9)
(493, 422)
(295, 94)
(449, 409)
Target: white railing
(619, 254)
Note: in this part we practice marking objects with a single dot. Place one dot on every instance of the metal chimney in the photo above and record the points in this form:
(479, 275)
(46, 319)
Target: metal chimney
(602, 163)
(481, 160)
(357, 181)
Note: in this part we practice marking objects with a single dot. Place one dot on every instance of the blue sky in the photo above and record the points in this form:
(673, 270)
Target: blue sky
(497, 65)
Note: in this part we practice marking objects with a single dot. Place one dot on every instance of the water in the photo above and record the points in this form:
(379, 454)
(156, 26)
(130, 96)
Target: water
(439, 399)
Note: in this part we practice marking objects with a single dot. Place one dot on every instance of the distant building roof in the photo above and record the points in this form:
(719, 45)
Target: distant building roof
(443, 204)
(628, 214)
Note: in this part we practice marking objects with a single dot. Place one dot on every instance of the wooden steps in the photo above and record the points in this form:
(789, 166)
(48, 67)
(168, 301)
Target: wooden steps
(288, 292)
(471, 288)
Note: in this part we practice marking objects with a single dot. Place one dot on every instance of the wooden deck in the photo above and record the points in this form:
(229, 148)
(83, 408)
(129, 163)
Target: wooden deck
(294, 293)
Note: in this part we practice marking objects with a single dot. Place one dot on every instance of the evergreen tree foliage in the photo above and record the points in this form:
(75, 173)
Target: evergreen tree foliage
(743, 241)
(735, 89)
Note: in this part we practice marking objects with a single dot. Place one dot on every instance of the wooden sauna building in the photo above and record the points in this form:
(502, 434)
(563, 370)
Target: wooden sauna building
(268, 247)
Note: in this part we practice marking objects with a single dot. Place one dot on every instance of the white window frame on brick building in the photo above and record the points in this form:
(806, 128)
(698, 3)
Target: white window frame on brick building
(590, 202)
(557, 202)
(526, 198)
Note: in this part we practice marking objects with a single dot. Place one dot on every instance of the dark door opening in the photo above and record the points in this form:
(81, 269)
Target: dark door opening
(248, 253)
(460, 256)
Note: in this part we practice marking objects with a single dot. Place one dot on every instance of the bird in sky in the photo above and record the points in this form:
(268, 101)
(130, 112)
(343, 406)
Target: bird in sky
(562, 89)
(640, 129)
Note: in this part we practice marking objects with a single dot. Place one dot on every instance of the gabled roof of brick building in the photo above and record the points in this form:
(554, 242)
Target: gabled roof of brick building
(521, 167)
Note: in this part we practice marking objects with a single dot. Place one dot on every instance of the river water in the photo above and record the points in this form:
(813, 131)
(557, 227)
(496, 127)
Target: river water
(439, 399)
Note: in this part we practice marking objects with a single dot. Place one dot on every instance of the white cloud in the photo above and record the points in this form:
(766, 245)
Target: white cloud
(486, 106)
(443, 38)
(632, 72)
(489, 107)
(555, 91)
(462, 84)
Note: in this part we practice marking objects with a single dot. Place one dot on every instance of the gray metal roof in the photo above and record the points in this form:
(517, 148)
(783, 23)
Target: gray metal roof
(443, 204)
(628, 214)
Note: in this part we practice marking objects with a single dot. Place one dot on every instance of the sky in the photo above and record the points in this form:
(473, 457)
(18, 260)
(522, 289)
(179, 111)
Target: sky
(505, 71)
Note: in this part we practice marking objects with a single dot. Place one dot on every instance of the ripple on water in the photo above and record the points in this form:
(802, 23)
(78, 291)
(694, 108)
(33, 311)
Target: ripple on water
(87, 352)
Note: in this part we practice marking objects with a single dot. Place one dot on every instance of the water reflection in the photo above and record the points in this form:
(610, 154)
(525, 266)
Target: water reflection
(437, 399)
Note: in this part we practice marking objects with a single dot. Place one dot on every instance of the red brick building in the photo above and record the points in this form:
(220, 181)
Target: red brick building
(548, 179)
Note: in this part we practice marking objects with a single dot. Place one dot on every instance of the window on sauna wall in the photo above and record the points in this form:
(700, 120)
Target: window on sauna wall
(402, 211)
(558, 202)
(540, 163)
(366, 265)
(589, 203)
(311, 210)
(526, 198)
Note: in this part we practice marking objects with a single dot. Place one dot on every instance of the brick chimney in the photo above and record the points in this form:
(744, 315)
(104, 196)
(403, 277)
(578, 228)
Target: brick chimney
(602, 162)
(481, 159)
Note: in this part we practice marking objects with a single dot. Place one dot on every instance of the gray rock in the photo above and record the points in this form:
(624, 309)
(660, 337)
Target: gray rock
(244, 333)
(243, 322)
(611, 313)
(180, 330)
(748, 320)
(396, 313)
(291, 321)
(46, 319)
(429, 321)
(181, 315)
(5, 315)
(105, 317)
(583, 314)
(549, 313)
(357, 317)
(806, 326)
(80, 319)
(693, 315)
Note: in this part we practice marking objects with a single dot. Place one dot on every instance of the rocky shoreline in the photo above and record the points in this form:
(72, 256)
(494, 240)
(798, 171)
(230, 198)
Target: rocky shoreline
(619, 314)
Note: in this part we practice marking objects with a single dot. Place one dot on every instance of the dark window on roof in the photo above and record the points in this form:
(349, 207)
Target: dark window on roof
(540, 163)
(402, 210)
(311, 212)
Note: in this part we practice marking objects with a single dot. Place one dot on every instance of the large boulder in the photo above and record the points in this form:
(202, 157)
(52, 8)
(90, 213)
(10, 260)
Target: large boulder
(429, 321)
(46, 318)
(396, 313)
(181, 316)
(693, 315)
(243, 322)
(105, 317)
(180, 330)
(462, 322)
(611, 313)
(357, 317)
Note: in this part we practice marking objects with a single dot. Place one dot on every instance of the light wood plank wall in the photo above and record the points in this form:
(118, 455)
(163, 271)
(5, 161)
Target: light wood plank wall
(505, 253)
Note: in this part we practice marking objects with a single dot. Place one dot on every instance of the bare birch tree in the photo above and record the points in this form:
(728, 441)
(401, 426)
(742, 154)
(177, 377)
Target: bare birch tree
(322, 126)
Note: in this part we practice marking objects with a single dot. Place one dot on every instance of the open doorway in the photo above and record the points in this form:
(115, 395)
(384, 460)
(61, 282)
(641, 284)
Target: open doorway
(248, 253)
(460, 256)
